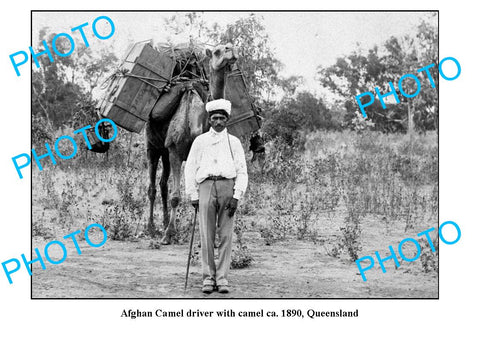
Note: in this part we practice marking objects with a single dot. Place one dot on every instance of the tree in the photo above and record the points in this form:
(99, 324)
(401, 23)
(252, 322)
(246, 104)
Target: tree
(62, 90)
(53, 95)
(295, 115)
(257, 61)
(248, 35)
(355, 74)
(90, 67)
(427, 37)
(289, 85)
(359, 72)
(401, 59)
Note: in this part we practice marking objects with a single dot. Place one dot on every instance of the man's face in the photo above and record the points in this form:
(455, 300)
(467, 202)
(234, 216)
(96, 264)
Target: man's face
(218, 121)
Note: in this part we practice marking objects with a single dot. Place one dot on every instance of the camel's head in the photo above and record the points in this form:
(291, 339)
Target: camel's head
(222, 56)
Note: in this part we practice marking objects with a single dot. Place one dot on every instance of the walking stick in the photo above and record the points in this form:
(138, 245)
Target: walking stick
(191, 246)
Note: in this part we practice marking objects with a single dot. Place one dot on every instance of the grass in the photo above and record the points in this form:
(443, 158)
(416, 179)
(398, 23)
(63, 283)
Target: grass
(331, 193)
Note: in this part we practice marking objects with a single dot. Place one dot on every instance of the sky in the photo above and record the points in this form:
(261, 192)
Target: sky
(300, 40)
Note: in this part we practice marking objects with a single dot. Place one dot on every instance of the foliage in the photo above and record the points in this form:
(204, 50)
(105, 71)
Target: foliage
(41, 131)
(428, 258)
(314, 186)
(118, 224)
(257, 61)
(289, 85)
(361, 71)
(248, 35)
(359, 123)
(342, 179)
(294, 116)
(241, 256)
(62, 90)
(351, 230)
(124, 218)
(183, 222)
(282, 163)
(39, 231)
(347, 193)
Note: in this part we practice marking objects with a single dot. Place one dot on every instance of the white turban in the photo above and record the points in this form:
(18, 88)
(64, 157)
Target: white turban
(219, 104)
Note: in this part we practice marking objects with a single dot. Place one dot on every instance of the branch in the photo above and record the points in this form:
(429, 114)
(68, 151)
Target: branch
(37, 97)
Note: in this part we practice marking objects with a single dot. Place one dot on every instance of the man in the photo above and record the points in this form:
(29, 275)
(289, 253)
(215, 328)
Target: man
(215, 180)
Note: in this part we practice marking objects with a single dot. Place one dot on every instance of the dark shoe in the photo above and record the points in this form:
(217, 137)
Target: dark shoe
(223, 289)
(207, 289)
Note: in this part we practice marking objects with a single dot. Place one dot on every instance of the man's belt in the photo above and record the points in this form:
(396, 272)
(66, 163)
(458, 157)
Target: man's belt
(216, 178)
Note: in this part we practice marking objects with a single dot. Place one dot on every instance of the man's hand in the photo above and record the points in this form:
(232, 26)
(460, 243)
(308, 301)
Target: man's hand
(195, 204)
(232, 206)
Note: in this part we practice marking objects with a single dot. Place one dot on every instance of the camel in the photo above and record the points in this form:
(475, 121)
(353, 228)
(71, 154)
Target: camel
(172, 141)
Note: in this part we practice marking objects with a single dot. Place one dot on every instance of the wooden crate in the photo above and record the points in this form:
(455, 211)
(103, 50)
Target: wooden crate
(243, 117)
(135, 88)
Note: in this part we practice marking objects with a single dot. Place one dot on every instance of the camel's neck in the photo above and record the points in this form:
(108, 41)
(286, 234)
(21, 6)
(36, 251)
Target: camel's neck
(217, 83)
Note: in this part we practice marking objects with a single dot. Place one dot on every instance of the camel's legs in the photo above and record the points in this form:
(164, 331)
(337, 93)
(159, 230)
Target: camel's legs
(153, 158)
(164, 186)
(176, 167)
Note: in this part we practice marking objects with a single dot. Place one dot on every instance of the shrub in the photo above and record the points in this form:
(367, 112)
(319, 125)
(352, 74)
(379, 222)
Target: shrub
(241, 256)
(39, 229)
(117, 224)
(428, 258)
(283, 164)
(350, 240)
(183, 223)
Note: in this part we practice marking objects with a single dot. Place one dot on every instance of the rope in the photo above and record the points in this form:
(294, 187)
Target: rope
(184, 75)
(238, 72)
(125, 73)
(235, 72)
(144, 79)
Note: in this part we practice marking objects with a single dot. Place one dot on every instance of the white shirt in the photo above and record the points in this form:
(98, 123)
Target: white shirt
(210, 156)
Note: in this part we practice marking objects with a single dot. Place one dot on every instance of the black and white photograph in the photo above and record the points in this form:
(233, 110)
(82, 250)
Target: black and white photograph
(241, 170)
(227, 154)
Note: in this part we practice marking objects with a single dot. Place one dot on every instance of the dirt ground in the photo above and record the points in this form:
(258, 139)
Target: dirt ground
(291, 269)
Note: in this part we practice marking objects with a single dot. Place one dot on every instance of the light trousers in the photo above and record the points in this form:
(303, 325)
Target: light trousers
(214, 196)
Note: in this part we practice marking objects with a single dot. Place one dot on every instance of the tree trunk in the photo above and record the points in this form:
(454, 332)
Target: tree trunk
(411, 123)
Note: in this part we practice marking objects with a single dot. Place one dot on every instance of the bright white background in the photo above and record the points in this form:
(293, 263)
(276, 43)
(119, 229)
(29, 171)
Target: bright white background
(454, 315)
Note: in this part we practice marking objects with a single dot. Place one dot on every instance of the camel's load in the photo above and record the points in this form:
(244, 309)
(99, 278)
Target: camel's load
(150, 83)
